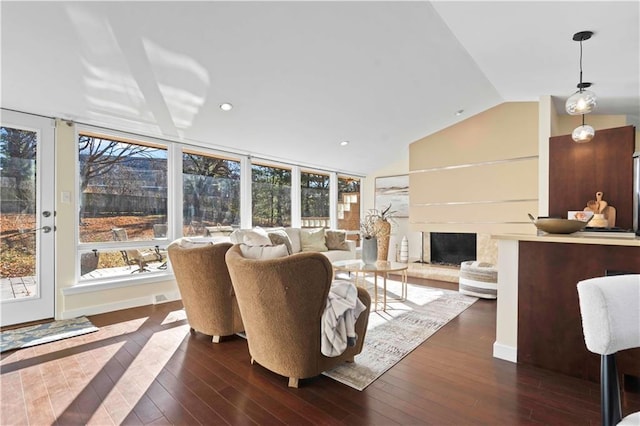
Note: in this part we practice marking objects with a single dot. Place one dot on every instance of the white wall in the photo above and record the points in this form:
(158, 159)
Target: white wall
(400, 227)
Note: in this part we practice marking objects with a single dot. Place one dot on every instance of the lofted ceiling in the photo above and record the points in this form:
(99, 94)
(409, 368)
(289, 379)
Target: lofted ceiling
(304, 76)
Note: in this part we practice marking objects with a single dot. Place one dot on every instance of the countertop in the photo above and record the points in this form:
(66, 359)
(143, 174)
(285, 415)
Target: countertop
(575, 238)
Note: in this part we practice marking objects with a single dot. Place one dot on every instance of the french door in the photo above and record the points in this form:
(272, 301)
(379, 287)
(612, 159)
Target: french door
(28, 218)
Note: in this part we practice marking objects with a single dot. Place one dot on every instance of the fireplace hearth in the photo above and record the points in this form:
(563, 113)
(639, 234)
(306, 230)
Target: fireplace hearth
(452, 248)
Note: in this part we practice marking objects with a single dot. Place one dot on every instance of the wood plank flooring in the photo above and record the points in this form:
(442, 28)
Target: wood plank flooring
(144, 367)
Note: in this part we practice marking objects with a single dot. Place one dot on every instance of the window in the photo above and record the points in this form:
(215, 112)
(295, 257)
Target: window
(18, 207)
(270, 195)
(314, 199)
(123, 200)
(211, 192)
(349, 205)
(124, 219)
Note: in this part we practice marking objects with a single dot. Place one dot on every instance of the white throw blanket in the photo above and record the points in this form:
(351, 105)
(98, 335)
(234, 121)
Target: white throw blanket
(339, 318)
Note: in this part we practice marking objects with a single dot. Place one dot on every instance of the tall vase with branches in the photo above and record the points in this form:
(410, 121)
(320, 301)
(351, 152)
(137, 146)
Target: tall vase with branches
(368, 232)
(376, 226)
(383, 226)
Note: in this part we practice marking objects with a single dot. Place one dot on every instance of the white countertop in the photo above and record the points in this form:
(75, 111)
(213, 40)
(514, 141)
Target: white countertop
(575, 238)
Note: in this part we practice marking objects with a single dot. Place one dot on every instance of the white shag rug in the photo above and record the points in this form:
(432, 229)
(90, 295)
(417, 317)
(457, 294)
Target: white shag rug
(394, 333)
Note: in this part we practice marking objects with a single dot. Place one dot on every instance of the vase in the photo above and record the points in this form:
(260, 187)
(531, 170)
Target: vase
(383, 233)
(404, 250)
(369, 250)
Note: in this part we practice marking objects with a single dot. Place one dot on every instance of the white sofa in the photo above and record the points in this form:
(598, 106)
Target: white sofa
(298, 242)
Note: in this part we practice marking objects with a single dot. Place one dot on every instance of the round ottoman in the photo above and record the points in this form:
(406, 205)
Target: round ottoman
(479, 279)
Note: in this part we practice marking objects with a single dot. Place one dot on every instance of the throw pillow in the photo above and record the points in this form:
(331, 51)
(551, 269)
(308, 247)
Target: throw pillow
(264, 252)
(294, 237)
(256, 237)
(312, 239)
(278, 236)
(336, 240)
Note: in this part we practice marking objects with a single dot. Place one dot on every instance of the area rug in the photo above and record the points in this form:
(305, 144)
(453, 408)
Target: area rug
(44, 333)
(393, 334)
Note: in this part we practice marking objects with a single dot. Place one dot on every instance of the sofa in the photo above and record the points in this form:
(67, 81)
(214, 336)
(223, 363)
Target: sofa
(330, 243)
(281, 301)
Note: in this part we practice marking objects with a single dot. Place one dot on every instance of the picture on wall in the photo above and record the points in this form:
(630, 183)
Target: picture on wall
(393, 190)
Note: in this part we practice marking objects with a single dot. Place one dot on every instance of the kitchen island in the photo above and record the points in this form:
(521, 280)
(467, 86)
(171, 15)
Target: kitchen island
(538, 313)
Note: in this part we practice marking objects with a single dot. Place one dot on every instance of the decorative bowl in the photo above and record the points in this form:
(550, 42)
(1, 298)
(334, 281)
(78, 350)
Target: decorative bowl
(553, 225)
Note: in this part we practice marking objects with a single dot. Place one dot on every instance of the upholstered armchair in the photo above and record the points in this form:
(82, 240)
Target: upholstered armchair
(205, 287)
(281, 301)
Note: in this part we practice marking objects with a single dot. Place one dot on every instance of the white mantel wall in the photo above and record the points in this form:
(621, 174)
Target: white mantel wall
(400, 227)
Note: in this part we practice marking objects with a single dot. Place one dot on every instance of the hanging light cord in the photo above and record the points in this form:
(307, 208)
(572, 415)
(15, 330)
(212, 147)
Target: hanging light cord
(580, 85)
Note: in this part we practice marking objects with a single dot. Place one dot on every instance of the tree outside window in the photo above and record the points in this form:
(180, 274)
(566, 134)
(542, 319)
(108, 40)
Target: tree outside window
(271, 196)
(122, 185)
(314, 199)
(211, 192)
(17, 202)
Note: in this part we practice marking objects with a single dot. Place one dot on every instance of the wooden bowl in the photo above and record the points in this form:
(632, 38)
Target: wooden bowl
(552, 225)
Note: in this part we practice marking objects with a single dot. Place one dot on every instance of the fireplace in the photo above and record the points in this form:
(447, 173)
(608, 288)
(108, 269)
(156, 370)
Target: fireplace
(452, 248)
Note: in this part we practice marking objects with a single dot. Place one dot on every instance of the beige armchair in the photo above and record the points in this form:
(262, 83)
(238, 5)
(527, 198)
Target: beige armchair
(205, 287)
(281, 301)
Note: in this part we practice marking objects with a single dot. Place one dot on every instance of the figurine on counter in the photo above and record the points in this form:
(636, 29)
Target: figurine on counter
(604, 215)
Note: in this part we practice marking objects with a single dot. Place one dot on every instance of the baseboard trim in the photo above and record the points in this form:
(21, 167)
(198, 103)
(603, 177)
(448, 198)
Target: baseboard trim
(507, 353)
(151, 299)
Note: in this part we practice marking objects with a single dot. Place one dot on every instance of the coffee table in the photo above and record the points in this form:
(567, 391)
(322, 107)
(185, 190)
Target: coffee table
(382, 268)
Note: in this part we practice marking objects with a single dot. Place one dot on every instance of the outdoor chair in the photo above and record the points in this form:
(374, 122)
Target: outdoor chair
(160, 230)
(138, 257)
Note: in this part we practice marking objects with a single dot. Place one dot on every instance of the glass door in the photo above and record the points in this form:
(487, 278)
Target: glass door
(27, 218)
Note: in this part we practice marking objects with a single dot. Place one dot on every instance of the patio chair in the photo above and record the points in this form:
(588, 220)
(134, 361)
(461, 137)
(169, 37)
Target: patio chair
(160, 230)
(139, 257)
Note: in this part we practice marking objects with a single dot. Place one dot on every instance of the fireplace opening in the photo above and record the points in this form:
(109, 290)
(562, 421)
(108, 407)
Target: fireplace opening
(452, 248)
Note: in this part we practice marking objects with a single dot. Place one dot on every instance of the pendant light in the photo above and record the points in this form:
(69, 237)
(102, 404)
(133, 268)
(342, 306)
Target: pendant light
(584, 133)
(583, 101)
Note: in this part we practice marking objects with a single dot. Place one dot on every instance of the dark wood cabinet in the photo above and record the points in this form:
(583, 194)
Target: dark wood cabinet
(578, 170)
(549, 322)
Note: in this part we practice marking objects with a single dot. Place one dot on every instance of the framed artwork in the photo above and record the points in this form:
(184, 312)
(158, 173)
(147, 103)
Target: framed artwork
(393, 190)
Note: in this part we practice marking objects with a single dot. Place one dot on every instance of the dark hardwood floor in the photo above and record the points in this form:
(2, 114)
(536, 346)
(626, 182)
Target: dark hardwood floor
(144, 367)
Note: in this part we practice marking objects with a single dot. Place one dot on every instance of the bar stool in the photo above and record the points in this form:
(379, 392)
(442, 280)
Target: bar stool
(610, 309)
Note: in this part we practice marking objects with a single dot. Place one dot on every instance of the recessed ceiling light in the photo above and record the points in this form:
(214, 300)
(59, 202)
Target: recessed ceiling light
(226, 106)
(459, 112)
(344, 143)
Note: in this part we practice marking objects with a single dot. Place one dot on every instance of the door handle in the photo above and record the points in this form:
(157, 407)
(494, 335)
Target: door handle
(46, 229)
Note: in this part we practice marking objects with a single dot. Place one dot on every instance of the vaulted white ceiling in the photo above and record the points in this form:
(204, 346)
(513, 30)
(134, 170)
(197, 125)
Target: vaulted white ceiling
(304, 76)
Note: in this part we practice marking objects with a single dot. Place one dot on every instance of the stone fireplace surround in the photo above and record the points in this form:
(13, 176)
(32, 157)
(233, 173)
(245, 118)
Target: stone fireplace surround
(486, 251)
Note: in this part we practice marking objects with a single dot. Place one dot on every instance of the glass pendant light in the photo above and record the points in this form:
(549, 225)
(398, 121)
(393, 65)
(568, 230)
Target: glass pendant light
(584, 133)
(583, 101)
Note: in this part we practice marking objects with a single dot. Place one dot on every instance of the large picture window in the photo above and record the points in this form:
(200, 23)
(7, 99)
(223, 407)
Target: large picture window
(270, 195)
(126, 205)
(211, 192)
(314, 199)
(123, 198)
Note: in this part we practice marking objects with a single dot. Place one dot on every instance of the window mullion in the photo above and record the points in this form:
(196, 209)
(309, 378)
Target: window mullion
(296, 197)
